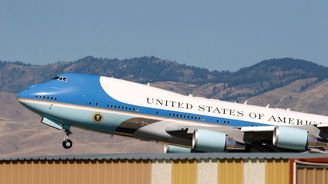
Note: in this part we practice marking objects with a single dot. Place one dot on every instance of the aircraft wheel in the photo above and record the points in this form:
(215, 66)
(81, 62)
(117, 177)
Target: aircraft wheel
(67, 143)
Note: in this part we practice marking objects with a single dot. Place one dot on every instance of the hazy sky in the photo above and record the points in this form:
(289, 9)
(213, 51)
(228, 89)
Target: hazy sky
(212, 34)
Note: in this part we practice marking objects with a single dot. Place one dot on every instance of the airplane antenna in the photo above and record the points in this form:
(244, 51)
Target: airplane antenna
(245, 102)
(148, 84)
(268, 106)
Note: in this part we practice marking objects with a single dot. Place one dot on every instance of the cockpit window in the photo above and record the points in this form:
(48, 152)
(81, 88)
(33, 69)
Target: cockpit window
(55, 78)
(60, 78)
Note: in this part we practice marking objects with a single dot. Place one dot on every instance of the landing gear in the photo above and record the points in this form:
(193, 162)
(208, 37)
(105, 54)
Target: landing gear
(67, 143)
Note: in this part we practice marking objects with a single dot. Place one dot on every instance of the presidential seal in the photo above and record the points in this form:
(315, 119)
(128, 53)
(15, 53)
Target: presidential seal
(97, 117)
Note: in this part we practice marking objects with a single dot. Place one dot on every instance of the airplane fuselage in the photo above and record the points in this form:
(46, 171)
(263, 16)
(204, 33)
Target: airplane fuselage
(122, 107)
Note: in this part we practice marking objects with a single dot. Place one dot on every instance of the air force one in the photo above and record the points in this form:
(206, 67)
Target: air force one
(184, 123)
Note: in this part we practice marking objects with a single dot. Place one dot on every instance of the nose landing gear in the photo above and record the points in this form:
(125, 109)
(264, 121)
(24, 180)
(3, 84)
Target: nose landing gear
(67, 143)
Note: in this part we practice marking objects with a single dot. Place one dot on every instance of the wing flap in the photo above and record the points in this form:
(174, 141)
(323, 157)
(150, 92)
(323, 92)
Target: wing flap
(258, 129)
(322, 126)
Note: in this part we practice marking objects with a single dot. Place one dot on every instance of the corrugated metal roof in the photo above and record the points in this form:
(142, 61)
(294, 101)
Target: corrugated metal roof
(171, 156)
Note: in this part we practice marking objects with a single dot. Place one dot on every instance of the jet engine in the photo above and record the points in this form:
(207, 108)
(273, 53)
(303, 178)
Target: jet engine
(290, 138)
(176, 149)
(209, 141)
(212, 141)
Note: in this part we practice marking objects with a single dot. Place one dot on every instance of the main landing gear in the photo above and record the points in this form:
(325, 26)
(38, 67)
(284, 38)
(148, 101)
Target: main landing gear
(67, 143)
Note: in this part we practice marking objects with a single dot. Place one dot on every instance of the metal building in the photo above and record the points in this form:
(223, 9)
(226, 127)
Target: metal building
(250, 168)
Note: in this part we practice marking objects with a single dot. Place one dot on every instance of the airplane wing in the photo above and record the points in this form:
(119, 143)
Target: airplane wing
(323, 130)
(264, 138)
(261, 138)
(319, 131)
(177, 132)
(188, 131)
(258, 129)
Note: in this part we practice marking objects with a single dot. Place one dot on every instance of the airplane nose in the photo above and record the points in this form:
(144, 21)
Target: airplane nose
(19, 95)
(22, 94)
(26, 93)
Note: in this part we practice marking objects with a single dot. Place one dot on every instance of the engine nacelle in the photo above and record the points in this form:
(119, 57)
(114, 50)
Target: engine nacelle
(176, 149)
(209, 141)
(290, 138)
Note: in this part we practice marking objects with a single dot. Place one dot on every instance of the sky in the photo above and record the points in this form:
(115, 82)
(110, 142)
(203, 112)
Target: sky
(218, 35)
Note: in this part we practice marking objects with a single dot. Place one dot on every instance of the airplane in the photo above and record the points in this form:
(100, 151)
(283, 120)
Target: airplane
(183, 122)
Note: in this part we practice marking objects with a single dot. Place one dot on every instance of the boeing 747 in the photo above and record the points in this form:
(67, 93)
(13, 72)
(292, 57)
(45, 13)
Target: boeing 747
(183, 123)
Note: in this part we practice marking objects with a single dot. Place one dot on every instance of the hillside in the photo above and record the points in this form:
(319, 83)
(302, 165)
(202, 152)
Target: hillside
(312, 99)
(239, 85)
